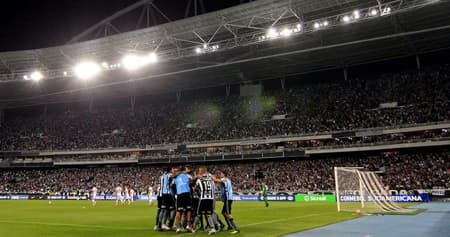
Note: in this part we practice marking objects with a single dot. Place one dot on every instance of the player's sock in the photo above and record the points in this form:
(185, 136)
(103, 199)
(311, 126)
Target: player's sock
(202, 223)
(210, 221)
(157, 216)
(217, 221)
(228, 222)
(233, 224)
(185, 223)
(162, 217)
(196, 222)
(172, 215)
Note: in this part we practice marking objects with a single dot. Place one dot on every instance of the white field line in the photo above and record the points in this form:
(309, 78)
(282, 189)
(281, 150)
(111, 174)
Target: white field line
(72, 225)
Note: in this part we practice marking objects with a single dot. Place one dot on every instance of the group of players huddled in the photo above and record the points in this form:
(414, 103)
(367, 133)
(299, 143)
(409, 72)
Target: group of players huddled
(190, 196)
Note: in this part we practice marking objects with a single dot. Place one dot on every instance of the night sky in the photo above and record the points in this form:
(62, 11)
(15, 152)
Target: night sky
(30, 24)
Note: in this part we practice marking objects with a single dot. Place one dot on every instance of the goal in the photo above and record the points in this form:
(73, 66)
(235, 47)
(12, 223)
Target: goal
(362, 192)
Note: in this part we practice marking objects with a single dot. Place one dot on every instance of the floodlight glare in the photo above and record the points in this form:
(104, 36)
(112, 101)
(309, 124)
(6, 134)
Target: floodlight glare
(36, 76)
(133, 62)
(325, 23)
(105, 64)
(299, 26)
(356, 14)
(374, 12)
(272, 33)
(65, 73)
(286, 32)
(26, 78)
(205, 46)
(316, 25)
(152, 58)
(86, 70)
(198, 50)
(346, 19)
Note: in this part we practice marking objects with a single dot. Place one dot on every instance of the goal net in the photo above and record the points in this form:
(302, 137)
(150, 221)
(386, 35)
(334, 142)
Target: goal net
(362, 191)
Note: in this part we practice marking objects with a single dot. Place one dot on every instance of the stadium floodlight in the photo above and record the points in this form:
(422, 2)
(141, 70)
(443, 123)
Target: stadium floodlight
(316, 25)
(346, 19)
(65, 73)
(373, 12)
(297, 28)
(198, 50)
(325, 23)
(36, 76)
(386, 11)
(272, 33)
(26, 78)
(286, 32)
(105, 64)
(356, 14)
(205, 46)
(152, 58)
(86, 70)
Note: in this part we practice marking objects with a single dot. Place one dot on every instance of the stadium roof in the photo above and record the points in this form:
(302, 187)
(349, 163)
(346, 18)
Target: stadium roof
(413, 27)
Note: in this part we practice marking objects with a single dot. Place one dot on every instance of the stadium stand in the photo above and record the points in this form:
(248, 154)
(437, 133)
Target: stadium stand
(404, 98)
(408, 171)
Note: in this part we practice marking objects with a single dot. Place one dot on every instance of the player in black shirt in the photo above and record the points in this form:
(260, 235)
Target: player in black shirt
(206, 189)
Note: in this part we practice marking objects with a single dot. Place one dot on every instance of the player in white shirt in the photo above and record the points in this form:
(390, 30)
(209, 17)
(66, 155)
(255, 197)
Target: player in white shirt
(131, 196)
(119, 197)
(127, 196)
(94, 196)
(150, 195)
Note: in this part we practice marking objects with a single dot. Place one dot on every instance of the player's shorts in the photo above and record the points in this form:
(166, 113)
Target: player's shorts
(205, 206)
(167, 201)
(119, 197)
(184, 202)
(93, 197)
(226, 209)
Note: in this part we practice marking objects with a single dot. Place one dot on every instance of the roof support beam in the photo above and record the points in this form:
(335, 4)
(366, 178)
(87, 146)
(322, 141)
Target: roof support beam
(109, 19)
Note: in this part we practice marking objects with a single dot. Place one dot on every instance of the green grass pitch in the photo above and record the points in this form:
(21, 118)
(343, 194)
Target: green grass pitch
(78, 218)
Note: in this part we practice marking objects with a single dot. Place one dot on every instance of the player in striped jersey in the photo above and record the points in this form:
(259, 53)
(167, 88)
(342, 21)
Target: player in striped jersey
(226, 191)
(167, 202)
(206, 190)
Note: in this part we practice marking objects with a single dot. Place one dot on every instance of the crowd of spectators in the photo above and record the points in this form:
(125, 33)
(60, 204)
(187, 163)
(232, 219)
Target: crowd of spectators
(330, 105)
(408, 171)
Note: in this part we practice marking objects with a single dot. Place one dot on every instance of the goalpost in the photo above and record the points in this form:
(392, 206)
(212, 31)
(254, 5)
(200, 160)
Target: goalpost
(362, 191)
